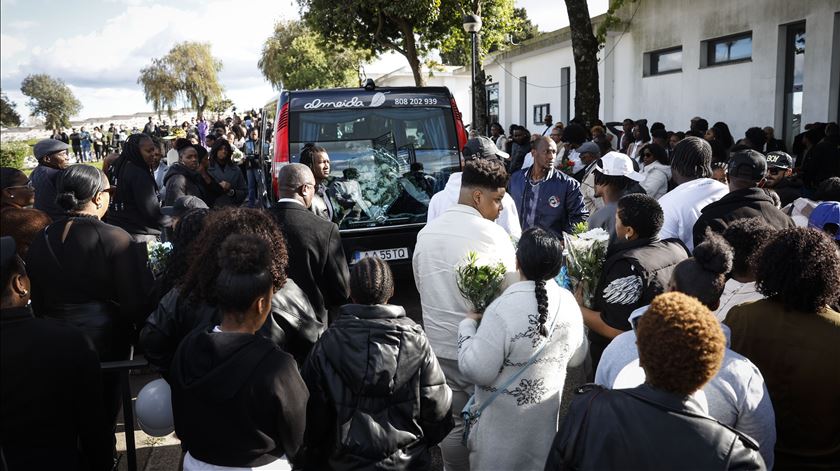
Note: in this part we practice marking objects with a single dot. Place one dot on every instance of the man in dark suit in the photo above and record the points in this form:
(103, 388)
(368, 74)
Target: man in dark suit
(316, 258)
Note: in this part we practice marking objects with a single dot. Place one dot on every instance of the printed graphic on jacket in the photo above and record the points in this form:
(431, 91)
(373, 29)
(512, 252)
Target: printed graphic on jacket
(626, 290)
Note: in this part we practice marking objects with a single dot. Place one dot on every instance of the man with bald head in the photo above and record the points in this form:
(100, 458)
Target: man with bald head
(316, 257)
(546, 197)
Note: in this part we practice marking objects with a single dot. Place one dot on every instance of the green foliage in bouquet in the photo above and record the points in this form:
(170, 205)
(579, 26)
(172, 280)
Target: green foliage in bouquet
(478, 283)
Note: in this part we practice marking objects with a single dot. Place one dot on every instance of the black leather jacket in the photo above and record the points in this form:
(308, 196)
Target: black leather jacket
(377, 396)
(645, 428)
(292, 325)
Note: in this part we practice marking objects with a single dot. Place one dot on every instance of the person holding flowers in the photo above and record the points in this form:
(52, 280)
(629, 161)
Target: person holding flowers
(534, 325)
(444, 245)
(637, 268)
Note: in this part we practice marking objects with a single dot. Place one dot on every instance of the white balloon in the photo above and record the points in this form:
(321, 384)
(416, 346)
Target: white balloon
(153, 408)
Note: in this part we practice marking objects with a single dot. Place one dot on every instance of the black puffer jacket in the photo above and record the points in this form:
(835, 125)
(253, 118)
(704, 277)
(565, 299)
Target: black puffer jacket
(378, 398)
(646, 428)
(292, 325)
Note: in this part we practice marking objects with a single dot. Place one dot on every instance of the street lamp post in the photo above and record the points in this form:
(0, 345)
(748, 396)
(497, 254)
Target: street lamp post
(472, 25)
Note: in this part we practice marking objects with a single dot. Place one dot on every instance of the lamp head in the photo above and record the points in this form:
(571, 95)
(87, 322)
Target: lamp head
(472, 23)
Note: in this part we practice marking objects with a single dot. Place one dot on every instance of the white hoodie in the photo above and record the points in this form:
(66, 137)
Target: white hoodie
(508, 218)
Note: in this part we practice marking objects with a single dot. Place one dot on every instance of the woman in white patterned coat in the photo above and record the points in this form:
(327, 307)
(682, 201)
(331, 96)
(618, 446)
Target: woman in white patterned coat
(515, 429)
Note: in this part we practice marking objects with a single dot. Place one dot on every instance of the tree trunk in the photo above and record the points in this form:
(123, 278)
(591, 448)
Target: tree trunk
(410, 53)
(585, 51)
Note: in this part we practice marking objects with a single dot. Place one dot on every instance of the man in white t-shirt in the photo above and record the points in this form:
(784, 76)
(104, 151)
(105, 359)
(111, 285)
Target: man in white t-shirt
(442, 246)
(477, 147)
(691, 169)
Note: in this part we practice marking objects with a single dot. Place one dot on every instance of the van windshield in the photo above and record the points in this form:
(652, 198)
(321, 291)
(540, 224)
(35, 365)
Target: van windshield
(385, 163)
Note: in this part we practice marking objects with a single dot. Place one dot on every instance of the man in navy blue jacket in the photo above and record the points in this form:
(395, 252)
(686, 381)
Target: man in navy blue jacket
(546, 197)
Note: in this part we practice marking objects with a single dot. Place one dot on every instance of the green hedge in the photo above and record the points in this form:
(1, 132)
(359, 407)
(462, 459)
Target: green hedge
(12, 154)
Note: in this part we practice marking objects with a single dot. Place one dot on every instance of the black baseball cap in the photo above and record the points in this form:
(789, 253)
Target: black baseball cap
(779, 159)
(483, 148)
(748, 164)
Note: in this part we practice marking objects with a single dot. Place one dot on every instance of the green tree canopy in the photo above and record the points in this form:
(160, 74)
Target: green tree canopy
(51, 99)
(502, 24)
(297, 58)
(409, 27)
(8, 114)
(188, 73)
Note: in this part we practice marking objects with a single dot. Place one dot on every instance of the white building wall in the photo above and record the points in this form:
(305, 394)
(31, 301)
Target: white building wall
(458, 82)
(741, 94)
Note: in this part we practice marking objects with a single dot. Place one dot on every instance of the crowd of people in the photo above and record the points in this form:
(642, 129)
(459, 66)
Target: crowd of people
(713, 338)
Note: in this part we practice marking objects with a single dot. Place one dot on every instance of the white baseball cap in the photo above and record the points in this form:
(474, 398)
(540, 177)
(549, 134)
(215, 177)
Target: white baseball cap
(616, 164)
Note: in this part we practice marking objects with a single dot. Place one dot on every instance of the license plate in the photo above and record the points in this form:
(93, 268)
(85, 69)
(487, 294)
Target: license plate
(385, 254)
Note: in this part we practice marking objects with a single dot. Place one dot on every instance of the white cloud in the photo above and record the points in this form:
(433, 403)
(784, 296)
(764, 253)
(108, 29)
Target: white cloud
(11, 45)
(102, 66)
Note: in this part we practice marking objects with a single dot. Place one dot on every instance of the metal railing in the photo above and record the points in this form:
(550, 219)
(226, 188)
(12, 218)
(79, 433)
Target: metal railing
(123, 368)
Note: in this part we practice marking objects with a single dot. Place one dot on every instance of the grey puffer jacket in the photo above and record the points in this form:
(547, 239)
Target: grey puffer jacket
(378, 398)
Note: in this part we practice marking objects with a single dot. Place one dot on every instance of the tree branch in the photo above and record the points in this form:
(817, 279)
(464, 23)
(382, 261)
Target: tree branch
(385, 42)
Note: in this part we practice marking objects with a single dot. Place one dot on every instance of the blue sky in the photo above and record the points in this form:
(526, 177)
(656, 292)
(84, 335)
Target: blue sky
(99, 47)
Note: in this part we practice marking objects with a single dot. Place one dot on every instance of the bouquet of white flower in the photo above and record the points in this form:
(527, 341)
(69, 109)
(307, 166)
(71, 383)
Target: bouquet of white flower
(585, 254)
(479, 282)
(158, 256)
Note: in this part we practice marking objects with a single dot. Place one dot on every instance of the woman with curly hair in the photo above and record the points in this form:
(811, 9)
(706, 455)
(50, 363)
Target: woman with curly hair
(238, 399)
(736, 395)
(794, 337)
(193, 302)
(658, 425)
(534, 316)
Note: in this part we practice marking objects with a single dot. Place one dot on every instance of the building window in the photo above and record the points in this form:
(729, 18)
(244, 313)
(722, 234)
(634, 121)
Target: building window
(726, 50)
(493, 102)
(662, 62)
(794, 79)
(523, 100)
(540, 112)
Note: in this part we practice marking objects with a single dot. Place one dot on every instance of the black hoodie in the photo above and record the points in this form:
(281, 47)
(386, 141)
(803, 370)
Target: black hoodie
(379, 399)
(740, 204)
(238, 399)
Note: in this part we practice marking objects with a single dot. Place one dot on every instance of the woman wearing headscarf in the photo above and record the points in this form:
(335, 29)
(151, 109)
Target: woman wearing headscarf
(227, 174)
(135, 206)
(88, 273)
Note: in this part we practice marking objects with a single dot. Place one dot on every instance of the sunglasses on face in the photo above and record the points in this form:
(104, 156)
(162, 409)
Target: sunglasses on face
(775, 171)
(29, 186)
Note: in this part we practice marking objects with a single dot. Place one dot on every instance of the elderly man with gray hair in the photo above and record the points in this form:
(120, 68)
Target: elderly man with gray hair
(316, 258)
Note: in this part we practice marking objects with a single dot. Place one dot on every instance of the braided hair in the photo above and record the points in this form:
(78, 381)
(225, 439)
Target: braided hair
(540, 254)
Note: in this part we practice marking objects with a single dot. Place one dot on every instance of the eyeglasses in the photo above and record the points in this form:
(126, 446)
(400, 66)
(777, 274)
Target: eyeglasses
(29, 186)
(775, 170)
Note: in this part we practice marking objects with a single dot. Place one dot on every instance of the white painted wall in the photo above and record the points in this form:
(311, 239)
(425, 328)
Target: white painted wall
(742, 94)
(458, 82)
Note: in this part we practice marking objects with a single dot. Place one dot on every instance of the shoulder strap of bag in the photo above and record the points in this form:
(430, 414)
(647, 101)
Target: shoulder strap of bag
(516, 375)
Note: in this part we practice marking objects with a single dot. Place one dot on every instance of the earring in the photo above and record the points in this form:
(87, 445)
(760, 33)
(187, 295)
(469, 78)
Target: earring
(98, 205)
(11, 196)
(24, 293)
